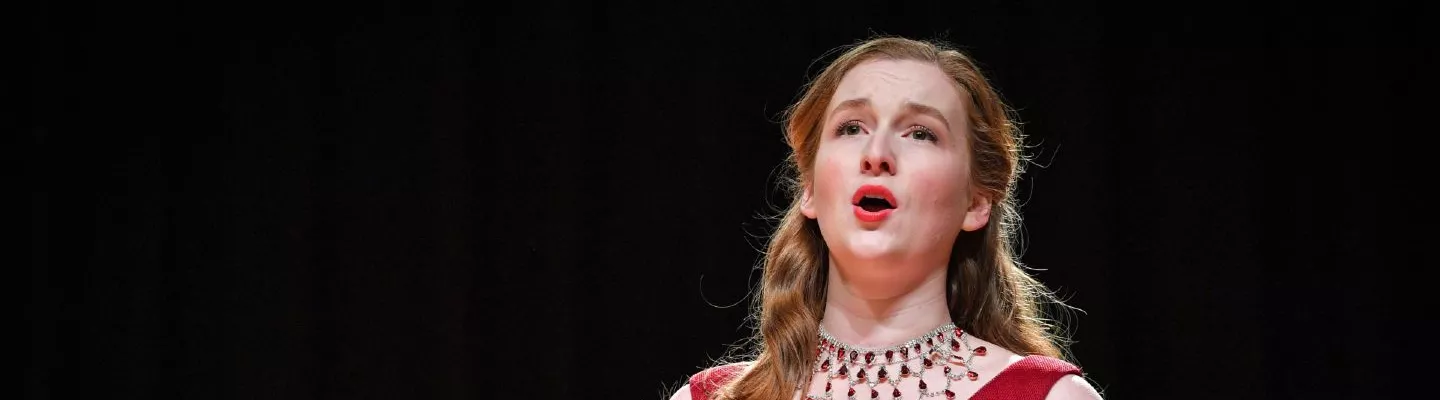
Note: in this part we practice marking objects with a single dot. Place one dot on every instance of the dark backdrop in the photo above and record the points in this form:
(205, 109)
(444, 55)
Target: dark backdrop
(473, 200)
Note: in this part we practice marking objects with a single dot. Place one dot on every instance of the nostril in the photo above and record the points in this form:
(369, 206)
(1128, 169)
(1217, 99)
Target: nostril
(883, 166)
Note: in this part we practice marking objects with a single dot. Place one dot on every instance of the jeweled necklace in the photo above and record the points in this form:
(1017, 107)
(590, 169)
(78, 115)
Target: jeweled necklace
(838, 359)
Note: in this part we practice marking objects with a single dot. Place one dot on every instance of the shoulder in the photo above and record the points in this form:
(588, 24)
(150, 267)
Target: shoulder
(1038, 377)
(1069, 380)
(682, 394)
(996, 358)
(1047, 364)
(1072, 387)
(703, 383)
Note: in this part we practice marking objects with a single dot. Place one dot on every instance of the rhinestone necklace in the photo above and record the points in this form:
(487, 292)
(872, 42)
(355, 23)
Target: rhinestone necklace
(853, 363)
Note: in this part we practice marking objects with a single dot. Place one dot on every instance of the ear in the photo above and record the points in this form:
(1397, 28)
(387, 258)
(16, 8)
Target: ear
(806, 206)
(978, 214)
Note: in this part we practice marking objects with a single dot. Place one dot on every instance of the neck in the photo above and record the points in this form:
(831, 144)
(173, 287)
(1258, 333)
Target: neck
(868, 321)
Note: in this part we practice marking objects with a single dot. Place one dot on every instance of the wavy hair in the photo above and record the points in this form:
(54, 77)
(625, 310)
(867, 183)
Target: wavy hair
(988, 291)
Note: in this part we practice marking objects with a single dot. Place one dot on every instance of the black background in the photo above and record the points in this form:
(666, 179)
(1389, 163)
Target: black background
(465, 200)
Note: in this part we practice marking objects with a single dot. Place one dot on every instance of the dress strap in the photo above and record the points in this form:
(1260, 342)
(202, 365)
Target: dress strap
(1028, 379)
(703, 384)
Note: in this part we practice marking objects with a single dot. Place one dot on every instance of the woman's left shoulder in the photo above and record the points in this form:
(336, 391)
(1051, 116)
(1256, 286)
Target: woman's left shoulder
(1070, 381)
(1037, 376)
(1072, 386)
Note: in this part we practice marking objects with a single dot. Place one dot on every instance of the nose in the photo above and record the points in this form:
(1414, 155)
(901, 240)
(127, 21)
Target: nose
(877, 158)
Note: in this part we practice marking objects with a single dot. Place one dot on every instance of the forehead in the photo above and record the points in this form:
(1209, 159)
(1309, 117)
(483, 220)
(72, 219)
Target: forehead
(891, 83)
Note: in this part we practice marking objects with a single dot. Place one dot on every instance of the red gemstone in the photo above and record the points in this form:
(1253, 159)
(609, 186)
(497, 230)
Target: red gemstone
(947, 370)
(874, 393)
(852, 392)
(827, 387)
(882, 374)
(860, 375)
(928, 342)
(896, 393)
(940, 336)
(972, 375)
(949, 394)
(889, 354)
(980, 351)
(843, 370)
(904, 370)
(869, 356)
(922, 384)
(928, 364)
(917, 348)
(853, 354)
(905, 351)
(954, 345)
(825, 366)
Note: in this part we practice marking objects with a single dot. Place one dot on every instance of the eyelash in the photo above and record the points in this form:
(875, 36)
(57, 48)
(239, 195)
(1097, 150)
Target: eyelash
(929, 134)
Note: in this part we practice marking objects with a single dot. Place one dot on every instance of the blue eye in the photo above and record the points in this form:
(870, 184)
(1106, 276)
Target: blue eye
(849, 128)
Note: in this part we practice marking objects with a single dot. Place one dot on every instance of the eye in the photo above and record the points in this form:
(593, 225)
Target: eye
(851, 127)
(922, 133)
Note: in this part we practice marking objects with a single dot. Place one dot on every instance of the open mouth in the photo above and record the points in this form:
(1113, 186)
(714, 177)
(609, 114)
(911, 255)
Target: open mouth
(873, 199)
(873, 203)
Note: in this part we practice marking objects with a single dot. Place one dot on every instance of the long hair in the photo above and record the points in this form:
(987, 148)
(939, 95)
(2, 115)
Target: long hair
(988, 292)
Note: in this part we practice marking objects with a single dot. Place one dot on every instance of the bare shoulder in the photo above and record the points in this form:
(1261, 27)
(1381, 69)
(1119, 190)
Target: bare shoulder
(996, 358)
(1071, 387)
(682, 394)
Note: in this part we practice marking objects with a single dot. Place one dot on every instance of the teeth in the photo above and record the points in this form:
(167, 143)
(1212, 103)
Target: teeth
(871, 196)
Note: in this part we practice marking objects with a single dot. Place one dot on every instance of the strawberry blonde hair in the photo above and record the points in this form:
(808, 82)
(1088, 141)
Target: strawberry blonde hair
(988, 291)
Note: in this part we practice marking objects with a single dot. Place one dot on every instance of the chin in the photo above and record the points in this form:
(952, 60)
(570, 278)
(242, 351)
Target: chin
(870, 256)
(872, 247)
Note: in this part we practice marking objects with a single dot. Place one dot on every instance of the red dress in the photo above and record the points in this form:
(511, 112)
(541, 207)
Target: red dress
(1028, 379)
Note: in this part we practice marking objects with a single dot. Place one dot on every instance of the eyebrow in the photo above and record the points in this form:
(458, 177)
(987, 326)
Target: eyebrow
(852, 103)
(910, 106)
(928, 110)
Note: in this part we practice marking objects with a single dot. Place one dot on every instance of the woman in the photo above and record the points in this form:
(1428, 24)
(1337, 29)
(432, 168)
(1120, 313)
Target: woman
(892, 274)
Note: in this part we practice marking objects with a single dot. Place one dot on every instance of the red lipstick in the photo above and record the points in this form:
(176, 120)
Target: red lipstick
(873, 203)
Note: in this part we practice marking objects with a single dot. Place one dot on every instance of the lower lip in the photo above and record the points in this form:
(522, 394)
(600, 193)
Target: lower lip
(872, 216)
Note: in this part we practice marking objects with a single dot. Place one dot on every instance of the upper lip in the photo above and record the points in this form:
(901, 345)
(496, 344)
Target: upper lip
(874, 191)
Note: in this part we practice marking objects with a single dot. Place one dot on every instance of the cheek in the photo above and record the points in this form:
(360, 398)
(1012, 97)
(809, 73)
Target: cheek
(943, 194)
(829, 188)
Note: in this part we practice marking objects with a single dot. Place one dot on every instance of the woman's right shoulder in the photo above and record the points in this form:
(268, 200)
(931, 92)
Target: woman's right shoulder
(703, 383)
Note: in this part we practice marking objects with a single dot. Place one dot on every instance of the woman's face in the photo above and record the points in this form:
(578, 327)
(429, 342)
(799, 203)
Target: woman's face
(890, 187)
